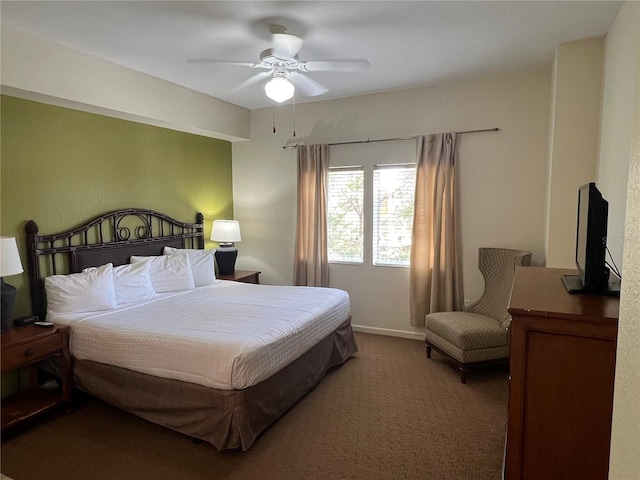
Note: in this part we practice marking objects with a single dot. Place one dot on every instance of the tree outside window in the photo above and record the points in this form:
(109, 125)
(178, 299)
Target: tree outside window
(345, 215)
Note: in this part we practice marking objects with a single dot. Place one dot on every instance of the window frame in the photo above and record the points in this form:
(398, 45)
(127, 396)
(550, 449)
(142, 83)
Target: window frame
(380, 167)
(368, 209)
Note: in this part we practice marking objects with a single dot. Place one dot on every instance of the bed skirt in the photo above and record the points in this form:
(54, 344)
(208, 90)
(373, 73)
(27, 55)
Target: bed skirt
(225, 418)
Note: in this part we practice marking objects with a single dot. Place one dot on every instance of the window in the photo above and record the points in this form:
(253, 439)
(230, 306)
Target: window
(370, 214)
(393, 193)
(345, 214)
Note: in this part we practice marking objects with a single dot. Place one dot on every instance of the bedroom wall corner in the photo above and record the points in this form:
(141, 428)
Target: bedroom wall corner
(61, 167)
(575, 126)
(616, 133)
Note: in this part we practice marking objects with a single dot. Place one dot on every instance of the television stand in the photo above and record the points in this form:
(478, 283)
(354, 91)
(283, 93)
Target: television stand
(573, 284)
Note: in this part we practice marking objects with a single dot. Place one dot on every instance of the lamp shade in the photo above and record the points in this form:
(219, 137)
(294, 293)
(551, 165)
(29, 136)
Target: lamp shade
(9, 257)
(225, 231)
(279, 89)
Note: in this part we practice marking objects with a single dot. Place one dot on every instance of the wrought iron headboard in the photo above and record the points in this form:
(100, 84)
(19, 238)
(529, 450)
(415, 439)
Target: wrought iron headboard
(109, 238)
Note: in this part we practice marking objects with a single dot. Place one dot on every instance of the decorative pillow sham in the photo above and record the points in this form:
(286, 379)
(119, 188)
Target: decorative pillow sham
(90, 291)
(169, 273)
(202, 264)
(131, 282)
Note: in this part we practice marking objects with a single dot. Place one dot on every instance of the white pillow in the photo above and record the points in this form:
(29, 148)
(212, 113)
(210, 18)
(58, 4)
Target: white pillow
(202, 264)
(131, 282)
(91, 291)
(169, 273)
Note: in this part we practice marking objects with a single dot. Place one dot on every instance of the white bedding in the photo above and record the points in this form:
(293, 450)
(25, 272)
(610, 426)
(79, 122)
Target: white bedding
(227, 336)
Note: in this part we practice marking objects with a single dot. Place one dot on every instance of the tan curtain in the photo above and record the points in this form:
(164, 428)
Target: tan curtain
(435, 271)
(311, 265)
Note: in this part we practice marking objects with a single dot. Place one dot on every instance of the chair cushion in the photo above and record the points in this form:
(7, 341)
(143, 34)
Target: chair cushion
(466, 356)
(467, 331)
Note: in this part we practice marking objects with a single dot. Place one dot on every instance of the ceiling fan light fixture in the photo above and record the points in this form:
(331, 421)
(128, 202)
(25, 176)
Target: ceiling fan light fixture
(279, 89)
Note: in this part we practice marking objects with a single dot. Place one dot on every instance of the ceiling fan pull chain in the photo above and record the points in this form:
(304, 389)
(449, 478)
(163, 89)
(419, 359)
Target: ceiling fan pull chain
(273, 113)
(293, 103)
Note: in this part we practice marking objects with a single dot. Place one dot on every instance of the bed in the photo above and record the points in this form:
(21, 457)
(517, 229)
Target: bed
(218, 361)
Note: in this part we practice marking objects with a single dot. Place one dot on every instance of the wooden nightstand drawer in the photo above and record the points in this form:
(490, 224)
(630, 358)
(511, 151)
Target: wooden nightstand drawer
(31, 352)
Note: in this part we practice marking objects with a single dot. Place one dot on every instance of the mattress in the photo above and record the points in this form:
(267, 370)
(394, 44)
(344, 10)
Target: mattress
(227, 336)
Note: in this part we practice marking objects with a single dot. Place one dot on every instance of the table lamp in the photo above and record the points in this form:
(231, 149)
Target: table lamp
(226, 232)
(9, 265)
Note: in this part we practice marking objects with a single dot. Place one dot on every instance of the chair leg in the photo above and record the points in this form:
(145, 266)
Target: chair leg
(461, 367)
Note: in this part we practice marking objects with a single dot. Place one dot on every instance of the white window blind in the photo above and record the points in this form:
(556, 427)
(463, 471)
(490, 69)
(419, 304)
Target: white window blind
(393, 196)
(345, 214)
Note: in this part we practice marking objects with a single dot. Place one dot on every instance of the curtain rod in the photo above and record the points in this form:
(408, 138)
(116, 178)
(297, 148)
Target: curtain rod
(496, 129)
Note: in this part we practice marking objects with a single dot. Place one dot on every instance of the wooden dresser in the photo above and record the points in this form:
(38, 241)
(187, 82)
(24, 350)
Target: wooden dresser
(562, 360)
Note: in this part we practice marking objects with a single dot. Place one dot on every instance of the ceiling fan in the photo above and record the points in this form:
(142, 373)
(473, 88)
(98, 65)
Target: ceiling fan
(286, 70)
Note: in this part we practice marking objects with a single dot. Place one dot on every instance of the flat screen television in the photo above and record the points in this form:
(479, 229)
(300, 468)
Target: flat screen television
(591, 245)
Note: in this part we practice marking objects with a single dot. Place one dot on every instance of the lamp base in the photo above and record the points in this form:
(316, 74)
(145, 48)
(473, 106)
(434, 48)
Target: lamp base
(226, 260)
(7, 300)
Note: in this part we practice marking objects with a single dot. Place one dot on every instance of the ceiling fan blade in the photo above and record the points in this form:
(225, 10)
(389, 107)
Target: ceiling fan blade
(252, 80)
(222, 62)
(286, 45)
(307, 85)
(346, 65)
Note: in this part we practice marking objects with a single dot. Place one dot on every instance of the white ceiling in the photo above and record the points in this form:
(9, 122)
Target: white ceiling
(408, 44)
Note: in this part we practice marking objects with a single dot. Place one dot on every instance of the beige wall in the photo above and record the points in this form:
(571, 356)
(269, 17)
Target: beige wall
(619, 158)
(617, 120)
(502, 177)
(575, 126)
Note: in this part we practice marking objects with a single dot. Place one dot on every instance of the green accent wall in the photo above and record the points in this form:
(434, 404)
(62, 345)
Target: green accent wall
(61, 167)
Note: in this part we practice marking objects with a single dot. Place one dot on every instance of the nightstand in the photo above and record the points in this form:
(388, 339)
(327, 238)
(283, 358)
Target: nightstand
(244, 276)
(27, 347)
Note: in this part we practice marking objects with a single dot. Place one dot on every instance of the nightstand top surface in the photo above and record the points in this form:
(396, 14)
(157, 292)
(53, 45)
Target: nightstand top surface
(28, 333)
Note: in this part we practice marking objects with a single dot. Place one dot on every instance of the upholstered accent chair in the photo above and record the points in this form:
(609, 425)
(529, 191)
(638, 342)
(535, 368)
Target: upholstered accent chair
(479, 335)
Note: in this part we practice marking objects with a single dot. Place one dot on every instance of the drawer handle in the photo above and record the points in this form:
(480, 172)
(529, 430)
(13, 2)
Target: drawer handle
(29, 351)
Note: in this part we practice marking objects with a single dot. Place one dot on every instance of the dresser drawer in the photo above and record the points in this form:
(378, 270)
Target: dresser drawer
(23, 354)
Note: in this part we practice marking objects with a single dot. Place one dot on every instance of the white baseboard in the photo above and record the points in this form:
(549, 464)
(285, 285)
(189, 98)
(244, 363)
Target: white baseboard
(388, 332)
